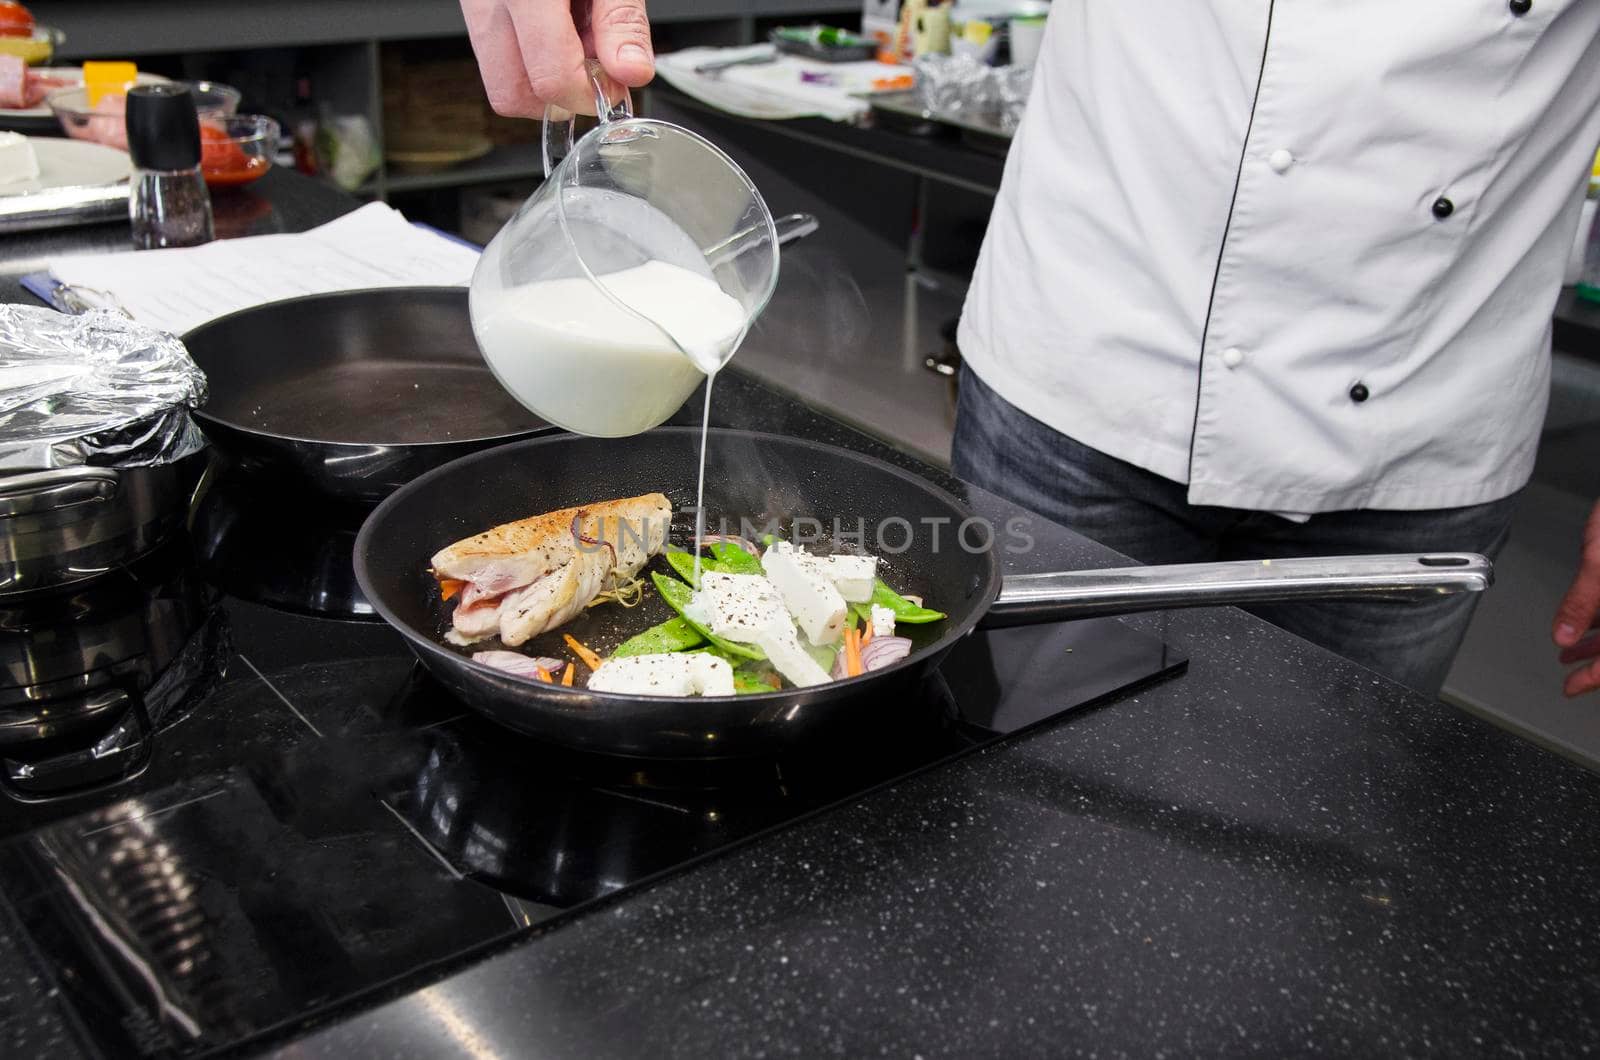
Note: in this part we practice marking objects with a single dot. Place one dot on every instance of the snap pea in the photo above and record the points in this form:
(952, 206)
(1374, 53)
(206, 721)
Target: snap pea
(675, 634)
(750, 682)
(724, 559)
(677, 595)
(904, 610)
(731, 559)
(682, 564)
(824, 655)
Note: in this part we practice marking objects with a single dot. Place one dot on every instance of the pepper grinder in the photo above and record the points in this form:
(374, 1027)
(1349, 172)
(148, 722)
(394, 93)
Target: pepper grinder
(168, 204)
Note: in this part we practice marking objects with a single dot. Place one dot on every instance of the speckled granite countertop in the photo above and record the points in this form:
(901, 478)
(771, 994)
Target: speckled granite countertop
(1277, 853)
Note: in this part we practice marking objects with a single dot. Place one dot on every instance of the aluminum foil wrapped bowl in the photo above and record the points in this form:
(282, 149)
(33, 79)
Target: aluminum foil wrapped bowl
(99, 456)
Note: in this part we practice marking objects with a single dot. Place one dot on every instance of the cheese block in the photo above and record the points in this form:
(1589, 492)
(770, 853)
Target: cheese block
(17, 160)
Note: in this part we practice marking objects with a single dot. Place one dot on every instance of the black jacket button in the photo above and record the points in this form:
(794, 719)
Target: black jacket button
(1358, 393)
(1521, 7)
(1443, 207)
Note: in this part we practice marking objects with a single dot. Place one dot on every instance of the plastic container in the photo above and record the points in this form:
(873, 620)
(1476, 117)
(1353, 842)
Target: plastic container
(824, 43)
(1027, 36)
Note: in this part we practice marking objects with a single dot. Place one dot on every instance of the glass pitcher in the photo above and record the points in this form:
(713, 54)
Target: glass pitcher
(634, 271)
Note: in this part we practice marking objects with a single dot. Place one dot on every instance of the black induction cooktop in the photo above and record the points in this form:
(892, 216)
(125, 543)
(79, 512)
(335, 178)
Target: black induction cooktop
(304, 822)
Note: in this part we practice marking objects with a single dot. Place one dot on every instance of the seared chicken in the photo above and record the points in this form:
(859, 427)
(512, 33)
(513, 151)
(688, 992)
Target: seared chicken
(525, 578)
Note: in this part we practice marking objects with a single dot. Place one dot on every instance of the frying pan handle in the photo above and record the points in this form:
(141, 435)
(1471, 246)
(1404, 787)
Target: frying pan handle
(1026, 599)
(793, 226)
(789, 228)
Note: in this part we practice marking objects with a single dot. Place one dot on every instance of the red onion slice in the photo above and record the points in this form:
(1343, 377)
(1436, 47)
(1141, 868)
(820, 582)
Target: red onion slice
(731, 539)
(514, 662)
(884, 651)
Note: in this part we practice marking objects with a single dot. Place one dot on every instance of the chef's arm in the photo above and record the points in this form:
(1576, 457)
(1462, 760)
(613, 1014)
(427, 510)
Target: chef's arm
(532, 52)
(1577, 625)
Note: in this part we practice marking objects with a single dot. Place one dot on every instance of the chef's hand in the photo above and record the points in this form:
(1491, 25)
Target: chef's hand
(1577, 627)
(531, 52)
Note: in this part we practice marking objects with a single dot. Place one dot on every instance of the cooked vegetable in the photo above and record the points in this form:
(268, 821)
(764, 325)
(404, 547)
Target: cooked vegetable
(884, 651)
(749, 682)
(568, 673)
(733, 559)
(904, 610)
(541, 674)
(514, 662)
(724, 559)
(590, 659)
(450, 587)
(852, 653)
(677, 595)
(675, 634)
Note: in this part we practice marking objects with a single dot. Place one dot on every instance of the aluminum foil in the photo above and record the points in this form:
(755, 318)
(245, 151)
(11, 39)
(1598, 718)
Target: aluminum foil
(94, 389)
(958, 86)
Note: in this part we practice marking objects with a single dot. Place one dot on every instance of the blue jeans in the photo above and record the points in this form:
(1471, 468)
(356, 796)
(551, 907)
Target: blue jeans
(1142, 515)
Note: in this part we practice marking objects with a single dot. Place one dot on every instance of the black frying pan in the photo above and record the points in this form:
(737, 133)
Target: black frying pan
(354, 392)
(760, 477)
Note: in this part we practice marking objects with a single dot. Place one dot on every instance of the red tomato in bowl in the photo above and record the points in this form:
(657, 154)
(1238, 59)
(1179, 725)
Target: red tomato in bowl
(15, 20)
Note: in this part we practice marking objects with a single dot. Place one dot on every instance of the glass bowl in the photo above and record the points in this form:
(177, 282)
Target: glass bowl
(237, 150)
(105, 123)
(37, 49)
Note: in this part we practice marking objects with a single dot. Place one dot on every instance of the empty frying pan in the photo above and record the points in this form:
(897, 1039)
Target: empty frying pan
(355, 392)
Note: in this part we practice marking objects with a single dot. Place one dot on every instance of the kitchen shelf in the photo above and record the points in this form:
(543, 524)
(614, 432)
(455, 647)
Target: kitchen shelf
(345, 39)
(505, 162)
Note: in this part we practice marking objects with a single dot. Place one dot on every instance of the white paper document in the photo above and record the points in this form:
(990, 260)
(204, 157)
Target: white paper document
(176, 290)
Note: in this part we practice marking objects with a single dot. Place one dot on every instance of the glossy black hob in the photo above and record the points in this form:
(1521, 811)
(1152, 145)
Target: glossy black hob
(326, 826)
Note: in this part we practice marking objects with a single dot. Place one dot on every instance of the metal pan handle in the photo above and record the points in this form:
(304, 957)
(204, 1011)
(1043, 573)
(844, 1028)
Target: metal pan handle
(51, 491)
(1026, 599)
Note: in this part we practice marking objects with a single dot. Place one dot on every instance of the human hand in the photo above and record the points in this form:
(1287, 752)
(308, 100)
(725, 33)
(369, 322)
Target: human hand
(1577, 625)
(532, 52)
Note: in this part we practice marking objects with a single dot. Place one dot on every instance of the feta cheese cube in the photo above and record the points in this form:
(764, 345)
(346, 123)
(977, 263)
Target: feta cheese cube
(882, 621)
(812, 600)
(853, 576)
(789, 658)
(17, 160)
(675, 674)
(737, 606)
(749, 609)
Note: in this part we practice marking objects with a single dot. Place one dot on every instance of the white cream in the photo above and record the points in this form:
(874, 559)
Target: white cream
(583, 362)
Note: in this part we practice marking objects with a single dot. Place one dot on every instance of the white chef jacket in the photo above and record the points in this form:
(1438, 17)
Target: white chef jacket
(1301, 255)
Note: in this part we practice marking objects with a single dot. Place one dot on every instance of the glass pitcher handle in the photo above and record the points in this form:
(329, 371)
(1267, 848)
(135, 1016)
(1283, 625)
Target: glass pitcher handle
(557, 137)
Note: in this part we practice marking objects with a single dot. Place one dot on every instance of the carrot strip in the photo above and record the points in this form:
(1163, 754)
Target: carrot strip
(590, 659)
(866, 634)
(449, 587)
(852, 653)
(566, 675)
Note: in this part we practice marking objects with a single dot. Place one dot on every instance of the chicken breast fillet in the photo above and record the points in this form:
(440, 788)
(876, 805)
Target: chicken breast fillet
(530, 576)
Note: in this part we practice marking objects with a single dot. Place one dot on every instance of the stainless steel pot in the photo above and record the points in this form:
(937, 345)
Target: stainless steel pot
(89, 673)
(70, 524)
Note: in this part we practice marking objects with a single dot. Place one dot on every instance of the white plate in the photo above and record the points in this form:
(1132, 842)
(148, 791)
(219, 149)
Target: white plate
(73, 75)
(72, 164)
